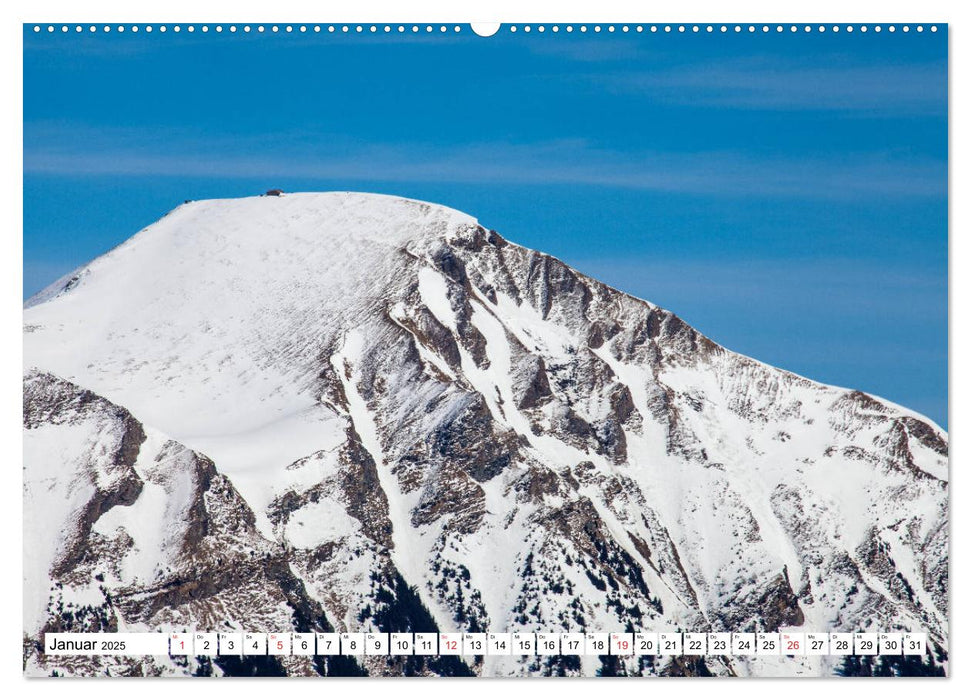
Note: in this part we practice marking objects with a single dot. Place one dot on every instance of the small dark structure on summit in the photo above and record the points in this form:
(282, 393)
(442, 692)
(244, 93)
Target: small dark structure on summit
(273, 193)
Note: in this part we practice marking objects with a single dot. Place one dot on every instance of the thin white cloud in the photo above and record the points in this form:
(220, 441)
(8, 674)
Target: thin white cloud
(766, 83)
(58, 149)
(822, 81)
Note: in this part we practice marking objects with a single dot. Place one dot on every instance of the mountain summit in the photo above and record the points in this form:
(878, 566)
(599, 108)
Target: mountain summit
(356, 412)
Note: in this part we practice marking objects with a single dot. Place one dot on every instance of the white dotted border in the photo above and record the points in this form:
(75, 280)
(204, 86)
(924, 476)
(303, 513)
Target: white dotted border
(725, 28)
(455, 29)
(250, 28)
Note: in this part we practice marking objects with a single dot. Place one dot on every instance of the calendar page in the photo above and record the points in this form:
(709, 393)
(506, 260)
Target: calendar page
(485, 350)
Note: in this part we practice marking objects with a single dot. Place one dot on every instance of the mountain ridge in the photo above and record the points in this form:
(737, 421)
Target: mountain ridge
(397, 392)
(67, 282)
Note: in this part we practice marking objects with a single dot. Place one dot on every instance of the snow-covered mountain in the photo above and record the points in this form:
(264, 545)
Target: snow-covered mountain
(357, 412)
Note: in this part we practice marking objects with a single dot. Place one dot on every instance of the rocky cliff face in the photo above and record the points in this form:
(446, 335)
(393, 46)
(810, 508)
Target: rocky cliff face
(354, 412)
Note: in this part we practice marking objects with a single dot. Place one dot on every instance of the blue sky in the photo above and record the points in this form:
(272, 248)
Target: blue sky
(786, 194)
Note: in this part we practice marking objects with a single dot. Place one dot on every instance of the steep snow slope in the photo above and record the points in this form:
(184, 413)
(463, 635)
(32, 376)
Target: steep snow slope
(403, 398)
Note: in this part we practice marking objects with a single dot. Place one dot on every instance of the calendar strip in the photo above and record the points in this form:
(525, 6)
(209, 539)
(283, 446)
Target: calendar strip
(488, 644)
